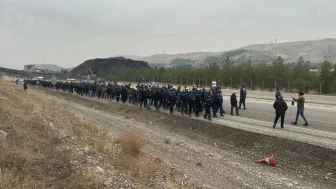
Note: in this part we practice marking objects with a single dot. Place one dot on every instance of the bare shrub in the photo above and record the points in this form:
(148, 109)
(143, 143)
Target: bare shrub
(131, 143)
(86, 180)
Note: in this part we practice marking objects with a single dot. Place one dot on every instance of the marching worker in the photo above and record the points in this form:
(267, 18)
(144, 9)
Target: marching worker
(198, 96)
(25, 87)
(208, 104)
(171, 98)
(118, 92)
(219, 103)
(183, 101)
(191, 102)
(234, 102)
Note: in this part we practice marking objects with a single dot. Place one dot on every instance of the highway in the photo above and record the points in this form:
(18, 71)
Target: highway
(319, 109)
(271, 95)
(320, 117)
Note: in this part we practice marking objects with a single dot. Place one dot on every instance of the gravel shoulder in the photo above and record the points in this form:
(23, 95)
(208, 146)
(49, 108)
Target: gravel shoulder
(217, 153)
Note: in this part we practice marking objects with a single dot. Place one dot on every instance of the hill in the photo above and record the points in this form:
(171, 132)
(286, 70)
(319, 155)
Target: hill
(313, 50)
(103, 65)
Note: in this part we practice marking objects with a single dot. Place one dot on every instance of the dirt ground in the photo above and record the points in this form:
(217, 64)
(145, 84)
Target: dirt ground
(208, 153)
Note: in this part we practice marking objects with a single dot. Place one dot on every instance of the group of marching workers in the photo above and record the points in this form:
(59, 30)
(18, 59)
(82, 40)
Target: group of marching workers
(187, 101)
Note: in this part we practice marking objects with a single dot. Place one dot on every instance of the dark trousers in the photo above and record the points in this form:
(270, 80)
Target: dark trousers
(118, 97)
(207, 109)
(242, 101)
(143, 100)
(277, 118)
(184, 107)
(165, 104)
(171, 105)
(198, 106)
(191, 106)
(220, 107)
(234, 106)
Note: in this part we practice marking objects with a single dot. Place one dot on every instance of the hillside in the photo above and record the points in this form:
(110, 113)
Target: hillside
(103, 65)
(313, 50)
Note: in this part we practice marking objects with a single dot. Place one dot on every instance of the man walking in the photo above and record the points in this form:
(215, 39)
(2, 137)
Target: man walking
(234, 102)
(242, 97)
(208, 104)
(280, 107)
(300, 109)
(25, 87)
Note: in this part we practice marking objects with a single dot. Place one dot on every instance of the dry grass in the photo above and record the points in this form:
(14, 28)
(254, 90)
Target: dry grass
(131, 143)
(127, 156)
(86, 179)
(34, 155)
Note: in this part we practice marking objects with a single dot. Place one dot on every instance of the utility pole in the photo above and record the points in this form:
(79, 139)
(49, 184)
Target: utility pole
(329, 55)
(251, 84)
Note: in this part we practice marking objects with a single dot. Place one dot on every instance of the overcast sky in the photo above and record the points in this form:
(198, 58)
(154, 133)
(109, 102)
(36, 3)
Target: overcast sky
(68, 32)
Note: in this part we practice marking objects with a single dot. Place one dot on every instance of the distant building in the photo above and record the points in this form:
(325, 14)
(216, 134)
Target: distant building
(318, 70)
(315, 70)
(45, 68)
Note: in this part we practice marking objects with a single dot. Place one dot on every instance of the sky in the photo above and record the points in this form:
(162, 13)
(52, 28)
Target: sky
(68, 32)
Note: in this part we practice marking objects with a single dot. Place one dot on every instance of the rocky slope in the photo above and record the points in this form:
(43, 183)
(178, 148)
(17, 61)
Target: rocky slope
(313, 50)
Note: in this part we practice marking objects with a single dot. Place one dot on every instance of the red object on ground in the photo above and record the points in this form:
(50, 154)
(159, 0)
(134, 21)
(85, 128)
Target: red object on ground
(269, 160)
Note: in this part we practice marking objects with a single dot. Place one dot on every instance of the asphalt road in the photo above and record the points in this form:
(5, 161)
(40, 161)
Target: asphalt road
(320, 118)
(271, 95)
(319, 109)
(320, 99)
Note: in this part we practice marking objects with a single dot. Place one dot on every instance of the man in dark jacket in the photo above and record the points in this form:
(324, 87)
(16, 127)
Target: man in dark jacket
(242, 97)
(234, 103)
(149, 96)
(118, 92)
(143, 96)
(171, 99)
(25, 87)
(280, 107)
(219, 103)
(124, 94)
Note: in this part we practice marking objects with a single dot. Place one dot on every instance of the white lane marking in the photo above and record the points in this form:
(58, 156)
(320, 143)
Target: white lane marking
(293, 128)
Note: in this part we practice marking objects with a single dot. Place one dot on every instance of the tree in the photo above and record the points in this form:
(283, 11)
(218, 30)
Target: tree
(334, 80)
(326, 77)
